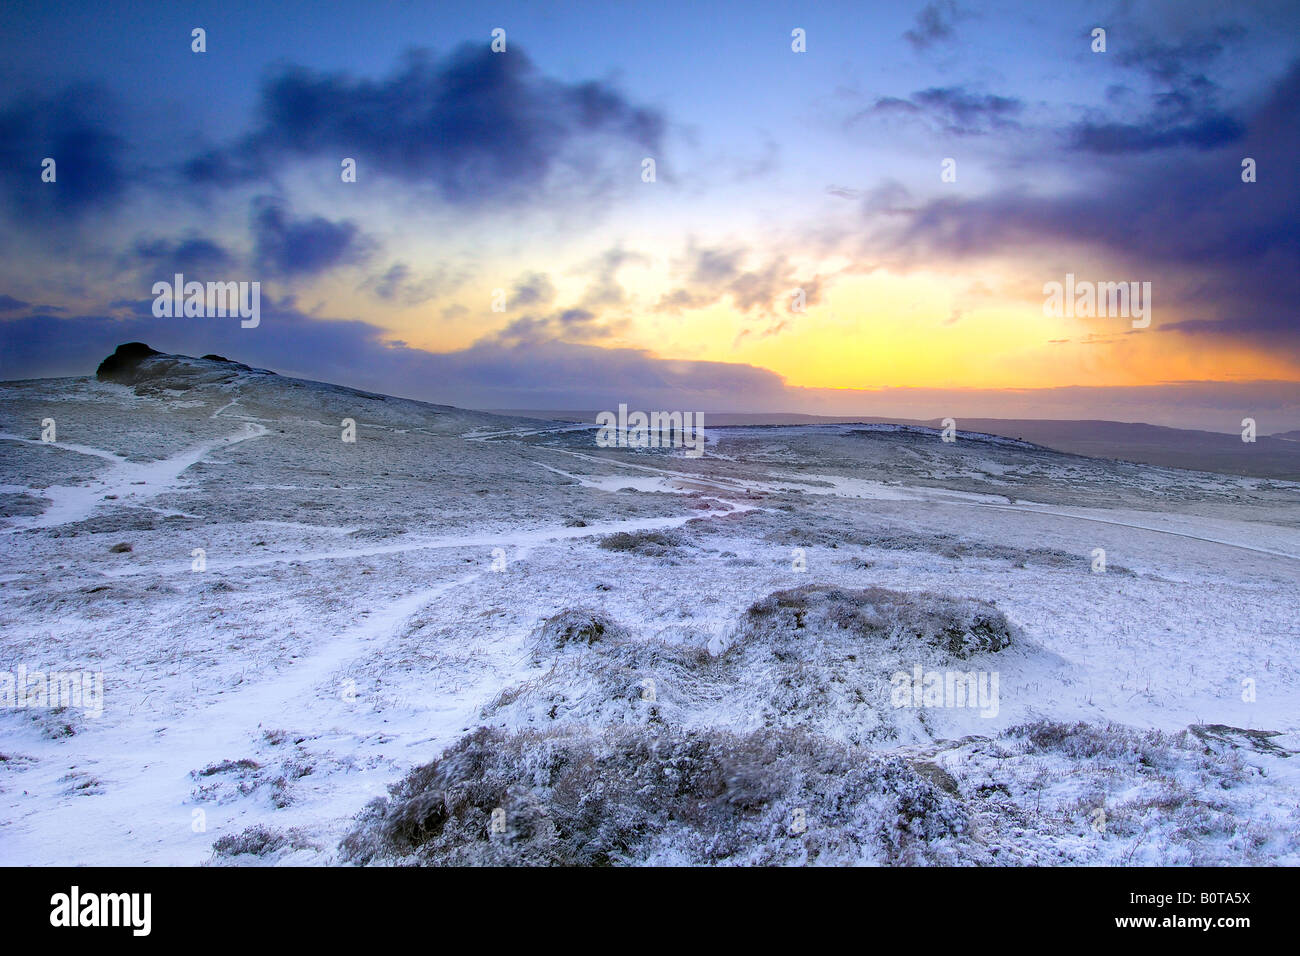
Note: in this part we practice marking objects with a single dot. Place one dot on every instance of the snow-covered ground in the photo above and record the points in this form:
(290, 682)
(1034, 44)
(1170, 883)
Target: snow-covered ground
(361, 607)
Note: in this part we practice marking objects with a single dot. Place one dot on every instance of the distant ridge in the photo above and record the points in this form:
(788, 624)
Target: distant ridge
(1271, 456)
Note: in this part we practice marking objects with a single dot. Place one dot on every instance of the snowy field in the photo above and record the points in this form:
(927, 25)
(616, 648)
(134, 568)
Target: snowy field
(623, 656)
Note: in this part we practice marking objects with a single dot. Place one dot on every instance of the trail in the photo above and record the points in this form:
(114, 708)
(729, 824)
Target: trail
(511, 539)
(873, 490)
(145, 760)
(882, 491)
(150, 767)
(65, 446)
(1029, 508)
(130, 482)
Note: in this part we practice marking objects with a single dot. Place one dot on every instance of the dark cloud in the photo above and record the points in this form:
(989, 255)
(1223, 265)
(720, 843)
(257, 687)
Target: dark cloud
(564, 325)
(1183, 106)
(714, 266)
(191, 255)
(605, 289)
(933, 24)
(290, 247)
(474, 125)
(1223, 252)
(9, 304)
(761, 289)
(74, 128)
(388, 285)
(954, 109)
(1180, 61)
(400, 284)
(712, 274)
(533, 288)
(1209, 132)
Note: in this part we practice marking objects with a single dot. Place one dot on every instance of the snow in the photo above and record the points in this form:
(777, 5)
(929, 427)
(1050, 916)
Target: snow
(131, 482)
(364, 607)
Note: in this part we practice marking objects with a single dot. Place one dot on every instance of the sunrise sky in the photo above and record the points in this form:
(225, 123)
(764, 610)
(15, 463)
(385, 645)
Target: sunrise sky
(775, 170)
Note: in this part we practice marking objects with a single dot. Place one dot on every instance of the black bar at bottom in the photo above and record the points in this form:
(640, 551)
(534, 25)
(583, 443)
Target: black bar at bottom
(298, 905)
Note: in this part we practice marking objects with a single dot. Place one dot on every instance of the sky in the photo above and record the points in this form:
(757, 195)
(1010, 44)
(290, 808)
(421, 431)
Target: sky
(864, 226)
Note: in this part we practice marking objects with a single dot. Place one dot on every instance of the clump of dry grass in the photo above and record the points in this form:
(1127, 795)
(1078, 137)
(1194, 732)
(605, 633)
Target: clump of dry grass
(635, 795)
(959, 625)
(577, 625)
(648, 544)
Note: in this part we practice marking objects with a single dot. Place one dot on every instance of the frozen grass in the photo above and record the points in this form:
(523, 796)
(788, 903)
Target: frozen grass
(1044, 793)
(577, 626)
(961, 626)
(647, 544)
(352, 601)
(630, 796)
(260, 841)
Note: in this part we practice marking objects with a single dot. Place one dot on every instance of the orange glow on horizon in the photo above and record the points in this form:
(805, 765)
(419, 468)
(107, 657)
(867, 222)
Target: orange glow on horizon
(882, 331)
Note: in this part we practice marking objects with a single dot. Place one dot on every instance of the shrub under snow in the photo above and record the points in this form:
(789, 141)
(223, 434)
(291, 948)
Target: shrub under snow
(632, 795)
(959, 625)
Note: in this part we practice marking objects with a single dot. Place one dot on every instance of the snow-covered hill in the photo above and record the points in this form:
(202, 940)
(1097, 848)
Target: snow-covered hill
(556, 653)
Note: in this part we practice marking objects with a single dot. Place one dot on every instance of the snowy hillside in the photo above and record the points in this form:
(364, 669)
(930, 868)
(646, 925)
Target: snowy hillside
(464, 637)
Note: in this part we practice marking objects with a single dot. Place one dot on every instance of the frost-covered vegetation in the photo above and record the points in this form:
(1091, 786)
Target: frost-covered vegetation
(1044, 793)
(326, 651)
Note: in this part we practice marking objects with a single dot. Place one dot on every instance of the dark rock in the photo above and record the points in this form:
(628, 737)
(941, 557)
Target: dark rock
(122, 364)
